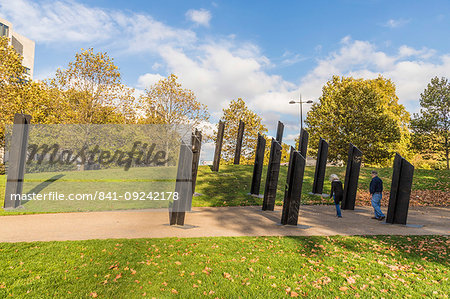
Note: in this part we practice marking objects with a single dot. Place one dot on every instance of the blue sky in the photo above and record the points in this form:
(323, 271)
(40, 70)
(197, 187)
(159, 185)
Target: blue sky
(266, 52)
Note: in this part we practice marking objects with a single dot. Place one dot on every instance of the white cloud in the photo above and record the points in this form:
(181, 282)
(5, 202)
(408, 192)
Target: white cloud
(361, 59)
(147, 80)
(200, 17)
(396, 23)
(69, 21)
(405, 51)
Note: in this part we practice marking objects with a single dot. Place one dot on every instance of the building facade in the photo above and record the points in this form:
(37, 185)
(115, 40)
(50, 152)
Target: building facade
(23, 45)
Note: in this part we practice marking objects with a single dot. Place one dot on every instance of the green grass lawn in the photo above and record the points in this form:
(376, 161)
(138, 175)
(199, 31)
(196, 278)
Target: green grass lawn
(241, 267)
(228, 187)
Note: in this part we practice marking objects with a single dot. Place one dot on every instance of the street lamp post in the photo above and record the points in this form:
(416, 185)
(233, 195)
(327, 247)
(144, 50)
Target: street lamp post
(301, 109)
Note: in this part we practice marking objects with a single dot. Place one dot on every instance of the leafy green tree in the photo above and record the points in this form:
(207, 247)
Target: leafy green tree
(93, 87)
(363, 112)
(236, 111)
(431, 127)
(167, 102)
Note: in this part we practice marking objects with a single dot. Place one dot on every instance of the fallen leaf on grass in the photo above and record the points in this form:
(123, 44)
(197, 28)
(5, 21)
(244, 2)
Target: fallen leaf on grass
(117, 277)
(227, 276)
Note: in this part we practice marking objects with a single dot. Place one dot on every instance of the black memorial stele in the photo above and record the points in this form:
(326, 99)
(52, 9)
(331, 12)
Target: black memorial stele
(293, 189)
(280, 129)
(258, 166)
(183, 186)
(273, 170)
(240, 136)
(351, 177)
(218, 149)
(303, 143)
(321, 165)
(402, 178)
(16, 160)
(196, 148)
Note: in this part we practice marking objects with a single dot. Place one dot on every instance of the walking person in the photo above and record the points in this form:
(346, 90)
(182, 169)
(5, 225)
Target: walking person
(337, 193)
(376, 189)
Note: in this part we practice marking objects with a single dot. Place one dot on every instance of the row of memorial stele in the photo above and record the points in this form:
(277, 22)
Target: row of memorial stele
(188, 166)
(400, 187)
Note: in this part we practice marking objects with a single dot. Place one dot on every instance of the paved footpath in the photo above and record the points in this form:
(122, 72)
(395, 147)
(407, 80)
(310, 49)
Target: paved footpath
(208, 222)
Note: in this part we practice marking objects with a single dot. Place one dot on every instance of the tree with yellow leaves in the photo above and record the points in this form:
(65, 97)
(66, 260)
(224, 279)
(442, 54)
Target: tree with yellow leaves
(92, 86)
(236, 111)
(19, 95)
(167, 102)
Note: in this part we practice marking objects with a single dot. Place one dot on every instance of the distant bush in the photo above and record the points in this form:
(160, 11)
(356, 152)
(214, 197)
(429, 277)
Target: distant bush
(428, 162)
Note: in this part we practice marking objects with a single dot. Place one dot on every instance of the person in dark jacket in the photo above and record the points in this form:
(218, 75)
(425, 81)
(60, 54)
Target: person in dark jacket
(337, 193)
(376, 189)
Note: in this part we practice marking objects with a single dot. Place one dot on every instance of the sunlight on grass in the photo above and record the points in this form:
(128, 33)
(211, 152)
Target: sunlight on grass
(247, 267)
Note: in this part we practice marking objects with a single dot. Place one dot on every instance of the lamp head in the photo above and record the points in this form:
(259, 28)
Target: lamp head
(309, 102)
(292, 102)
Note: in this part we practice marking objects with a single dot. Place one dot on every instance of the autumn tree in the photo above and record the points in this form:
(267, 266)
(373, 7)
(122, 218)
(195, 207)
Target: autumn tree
(236, 111)
(19, 95)
(167, 102)
(363, 112)
(431, 127)
(93, 87)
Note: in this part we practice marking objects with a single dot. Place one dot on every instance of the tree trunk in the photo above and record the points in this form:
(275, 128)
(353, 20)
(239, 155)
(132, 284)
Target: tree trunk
(446, 150)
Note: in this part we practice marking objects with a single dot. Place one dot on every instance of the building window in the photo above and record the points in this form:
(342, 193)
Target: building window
(4, 30)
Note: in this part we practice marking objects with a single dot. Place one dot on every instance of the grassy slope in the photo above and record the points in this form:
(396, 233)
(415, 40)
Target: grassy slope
(247, 267)
(229, 187)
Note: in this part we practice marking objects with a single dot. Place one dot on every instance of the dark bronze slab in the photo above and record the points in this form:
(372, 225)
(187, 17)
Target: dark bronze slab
(321, 165)
(17, 159)
(280, 129)
(293, 191)
(303, 142)
(273, 171)
(196, 149)
(258, 166)
(240, 136)
(218, 149)
(351, 177)
(400, 193)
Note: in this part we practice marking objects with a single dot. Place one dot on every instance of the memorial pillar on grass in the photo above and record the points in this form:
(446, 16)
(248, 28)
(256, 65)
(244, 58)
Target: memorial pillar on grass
(17, 155)
(351, 177)
(240, 136)
(321, 165)
(293, 192)
(280, 129)
(303, 143)
(273, 171)
(218, 149)
(196, 148)
(183, 186)
(258, 166)
(402, 178)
